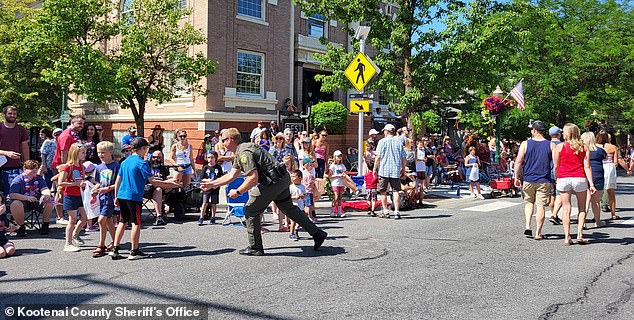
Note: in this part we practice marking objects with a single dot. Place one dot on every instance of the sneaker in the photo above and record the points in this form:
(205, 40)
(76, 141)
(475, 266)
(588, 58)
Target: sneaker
(92, 228)
(159, 221)
(21, 232)
(473, 195)
(386, 214)
(479, 196)
(343, 215)
(555, 220)
(77, 241)
(137, 254)
(71, 248)
(201, 221)
(62, 221)
(212, 220)
(293, 237)
(397, 215)
(114, 254)
(599, 224)
(319, 238)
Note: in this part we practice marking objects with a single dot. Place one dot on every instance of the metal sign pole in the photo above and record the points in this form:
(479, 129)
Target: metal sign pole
(360, 144)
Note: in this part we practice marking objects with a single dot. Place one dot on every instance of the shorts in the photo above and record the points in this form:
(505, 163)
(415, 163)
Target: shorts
(130, 211)
(338, 188)
(5, 243)
(211, 197)
(556, 192)
(384, 182)
(372, 195)
(106, 211)
(572, 184)
(186, 170)
(309, 200)
(72, 202)
(537, 192)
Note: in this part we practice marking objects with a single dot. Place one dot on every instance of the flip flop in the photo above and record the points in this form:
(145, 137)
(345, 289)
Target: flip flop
(583, 241)
(615, 218)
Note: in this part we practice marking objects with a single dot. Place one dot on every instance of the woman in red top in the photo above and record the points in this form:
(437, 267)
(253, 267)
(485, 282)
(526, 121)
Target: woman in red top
(572, 168)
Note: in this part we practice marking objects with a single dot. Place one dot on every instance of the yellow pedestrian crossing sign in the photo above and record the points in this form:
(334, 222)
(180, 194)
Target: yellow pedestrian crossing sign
(359, 105)
(361, 70)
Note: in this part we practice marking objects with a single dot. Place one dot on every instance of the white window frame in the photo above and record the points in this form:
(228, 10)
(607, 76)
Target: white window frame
(322, 21)
(262, 73)
(250, 17)
(123, 12)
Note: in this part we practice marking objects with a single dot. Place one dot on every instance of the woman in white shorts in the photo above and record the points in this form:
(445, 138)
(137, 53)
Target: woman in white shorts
(609, 169)
(572, 168)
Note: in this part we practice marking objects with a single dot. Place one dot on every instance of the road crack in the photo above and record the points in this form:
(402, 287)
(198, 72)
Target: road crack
(552, 309)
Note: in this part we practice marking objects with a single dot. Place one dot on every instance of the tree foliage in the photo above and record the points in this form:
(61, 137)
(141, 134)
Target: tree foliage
(126, 59)
(331, 116)
(20, 76)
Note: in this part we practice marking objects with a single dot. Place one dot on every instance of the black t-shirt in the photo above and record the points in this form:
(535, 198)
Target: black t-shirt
(160, 172)
(213, 173)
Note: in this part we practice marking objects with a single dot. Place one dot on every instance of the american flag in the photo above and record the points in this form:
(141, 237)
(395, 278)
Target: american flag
(518, 95)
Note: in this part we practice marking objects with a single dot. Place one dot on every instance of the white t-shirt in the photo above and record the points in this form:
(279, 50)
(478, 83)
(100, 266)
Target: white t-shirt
(337, 169)
(298, 190)
(421, 157)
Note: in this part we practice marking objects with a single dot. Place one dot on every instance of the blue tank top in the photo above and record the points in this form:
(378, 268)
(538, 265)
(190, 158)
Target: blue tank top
(537, 161)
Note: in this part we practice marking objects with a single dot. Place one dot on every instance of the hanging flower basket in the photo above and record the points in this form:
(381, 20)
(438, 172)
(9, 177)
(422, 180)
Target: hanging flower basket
(495, 105)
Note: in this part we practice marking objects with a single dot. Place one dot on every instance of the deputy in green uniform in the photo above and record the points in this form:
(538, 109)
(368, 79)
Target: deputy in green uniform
(266, 180)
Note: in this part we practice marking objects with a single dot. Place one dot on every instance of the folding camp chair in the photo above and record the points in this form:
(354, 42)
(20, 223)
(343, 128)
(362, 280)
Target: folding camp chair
(147, 200)
(235, 207)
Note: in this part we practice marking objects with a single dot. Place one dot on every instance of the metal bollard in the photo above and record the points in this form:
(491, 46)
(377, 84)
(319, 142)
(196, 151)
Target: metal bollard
(458, 191)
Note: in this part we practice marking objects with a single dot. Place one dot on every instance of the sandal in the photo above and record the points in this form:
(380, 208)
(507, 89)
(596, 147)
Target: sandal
(99, 252)
(583, 241)
(615, 217)
(539, 237)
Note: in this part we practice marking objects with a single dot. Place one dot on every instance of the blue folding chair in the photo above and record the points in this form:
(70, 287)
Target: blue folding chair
(235, 207)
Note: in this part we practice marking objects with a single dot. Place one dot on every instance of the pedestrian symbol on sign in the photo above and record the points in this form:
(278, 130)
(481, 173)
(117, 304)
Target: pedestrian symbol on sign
(360, 71)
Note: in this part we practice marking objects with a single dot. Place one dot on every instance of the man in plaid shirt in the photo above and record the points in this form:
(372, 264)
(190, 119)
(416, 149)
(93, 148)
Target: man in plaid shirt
(390, 165)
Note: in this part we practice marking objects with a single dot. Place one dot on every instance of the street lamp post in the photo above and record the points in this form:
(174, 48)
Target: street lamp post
(500, 94)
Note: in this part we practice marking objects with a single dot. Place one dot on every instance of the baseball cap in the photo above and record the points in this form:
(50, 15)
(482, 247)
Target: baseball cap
(57, 130)
(538, 125)
(138, 143)
(373, 131)
(405, 129)
(306, 140)
(337, 153)
(307, 160)
(554, 130)
(126, 147)
(208, 135)
(132, 128)
(389, 127)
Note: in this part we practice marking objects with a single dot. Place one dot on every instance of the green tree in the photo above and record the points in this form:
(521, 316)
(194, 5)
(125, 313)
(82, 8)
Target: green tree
(129, 58)
(419, 61)
(20, 79)
(331, 116)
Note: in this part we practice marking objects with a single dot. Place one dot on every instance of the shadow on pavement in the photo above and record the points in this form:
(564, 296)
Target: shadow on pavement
(88, 279)
(307, 251)
(160, 250)
(29, 252)
(602, 237)
(406, 216)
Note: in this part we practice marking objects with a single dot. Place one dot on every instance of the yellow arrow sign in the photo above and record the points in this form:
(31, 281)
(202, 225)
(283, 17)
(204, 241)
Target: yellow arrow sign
(361, 70)
(359, 105)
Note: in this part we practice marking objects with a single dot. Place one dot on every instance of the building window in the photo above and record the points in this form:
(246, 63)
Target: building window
(126, 11)
(251, 8)
(316, 26)
(250, 73)
(182, 4)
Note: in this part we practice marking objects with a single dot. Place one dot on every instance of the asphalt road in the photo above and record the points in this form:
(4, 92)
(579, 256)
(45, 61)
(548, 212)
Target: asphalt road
(455, 259)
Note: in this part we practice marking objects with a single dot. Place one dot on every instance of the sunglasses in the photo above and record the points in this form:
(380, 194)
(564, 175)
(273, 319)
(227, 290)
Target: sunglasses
(279, 138)
(156, 158)
(324, 135)
(183, 136)
(224, 139)
(99, 129)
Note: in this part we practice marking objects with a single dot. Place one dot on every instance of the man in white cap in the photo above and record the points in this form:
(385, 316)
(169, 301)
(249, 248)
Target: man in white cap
(555, 201)
(389, 163)
(404, 133)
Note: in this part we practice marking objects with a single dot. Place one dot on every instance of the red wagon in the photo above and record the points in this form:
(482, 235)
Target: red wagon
(503, 186)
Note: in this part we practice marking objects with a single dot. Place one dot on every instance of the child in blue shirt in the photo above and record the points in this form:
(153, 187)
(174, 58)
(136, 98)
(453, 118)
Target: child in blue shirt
(105, 176)
(134, 173)
(211, 171)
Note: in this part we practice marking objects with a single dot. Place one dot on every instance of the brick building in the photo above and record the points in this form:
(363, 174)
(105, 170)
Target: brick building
(264, 50)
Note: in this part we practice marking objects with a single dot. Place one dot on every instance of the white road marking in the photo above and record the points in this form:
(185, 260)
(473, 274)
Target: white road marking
(493, 206)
